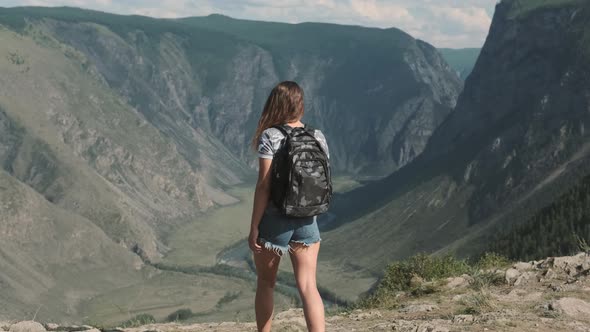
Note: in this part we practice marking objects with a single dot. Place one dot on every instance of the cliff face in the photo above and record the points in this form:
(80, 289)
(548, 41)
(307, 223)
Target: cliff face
(515, 141)
(521, 119)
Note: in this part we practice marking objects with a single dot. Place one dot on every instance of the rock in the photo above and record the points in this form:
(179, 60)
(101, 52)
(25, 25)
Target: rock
(522, 266)
(27, 326)
(293, 312)
(463, 319)
(525, 277)
(555, 287)
(51, 326)
(4, 326)
(550, 274)
(572, 265)
(512, 275)
(572, 307)
(457, 282)
(431, 328)
(366, 315)
(418, 308)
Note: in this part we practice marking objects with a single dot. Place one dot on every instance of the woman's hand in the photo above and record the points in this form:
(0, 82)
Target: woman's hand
(252, 241)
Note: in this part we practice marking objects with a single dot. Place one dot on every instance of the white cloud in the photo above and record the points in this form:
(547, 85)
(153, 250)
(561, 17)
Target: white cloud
(444, 23)
(472, 18)
(381, 11)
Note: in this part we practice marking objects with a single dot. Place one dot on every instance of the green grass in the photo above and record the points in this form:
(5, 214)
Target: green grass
(193, 243)
(422, 274)
(199, 242)
(477, 303)
(399, 276)
(492, 260)
(208, 297)
(139, 320)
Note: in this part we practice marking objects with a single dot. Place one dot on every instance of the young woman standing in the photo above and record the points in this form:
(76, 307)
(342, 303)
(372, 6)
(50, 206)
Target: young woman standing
(273, 234)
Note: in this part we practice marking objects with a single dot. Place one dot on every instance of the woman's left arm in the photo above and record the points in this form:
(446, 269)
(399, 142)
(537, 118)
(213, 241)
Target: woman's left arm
(261, 197)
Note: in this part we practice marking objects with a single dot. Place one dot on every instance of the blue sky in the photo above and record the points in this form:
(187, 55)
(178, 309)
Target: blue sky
(444, 23)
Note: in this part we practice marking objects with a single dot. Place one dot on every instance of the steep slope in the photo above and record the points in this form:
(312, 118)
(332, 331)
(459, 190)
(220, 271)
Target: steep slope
(53, 259)
(70, 138)
(462, 60)
(87, 185)
(557, 229)
(378, 94)
(515, 141)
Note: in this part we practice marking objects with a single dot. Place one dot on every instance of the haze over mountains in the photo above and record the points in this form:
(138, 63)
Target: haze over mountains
(117, 132)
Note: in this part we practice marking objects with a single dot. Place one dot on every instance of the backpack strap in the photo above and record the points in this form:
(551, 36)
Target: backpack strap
(286, 130)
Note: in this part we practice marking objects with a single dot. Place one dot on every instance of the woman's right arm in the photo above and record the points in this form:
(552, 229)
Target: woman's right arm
(261, 197)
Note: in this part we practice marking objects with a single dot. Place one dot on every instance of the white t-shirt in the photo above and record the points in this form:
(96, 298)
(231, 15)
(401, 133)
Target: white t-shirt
(272, 138)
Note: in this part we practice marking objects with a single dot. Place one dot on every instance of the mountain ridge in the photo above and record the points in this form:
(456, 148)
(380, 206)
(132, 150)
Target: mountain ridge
(505, 140)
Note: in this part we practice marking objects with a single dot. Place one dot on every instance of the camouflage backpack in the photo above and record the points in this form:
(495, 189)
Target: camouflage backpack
(301, 184)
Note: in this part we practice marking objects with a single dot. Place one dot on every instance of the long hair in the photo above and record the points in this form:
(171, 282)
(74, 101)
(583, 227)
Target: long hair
(284, 104)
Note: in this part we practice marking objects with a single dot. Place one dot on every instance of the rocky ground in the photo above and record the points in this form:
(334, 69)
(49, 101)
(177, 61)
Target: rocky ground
(548, 295)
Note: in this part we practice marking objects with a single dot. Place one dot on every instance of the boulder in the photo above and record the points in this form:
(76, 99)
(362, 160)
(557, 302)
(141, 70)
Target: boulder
(525, 277)
(572, 265)
(27, 326)
(573, 307)
(4, 326)
(457, 282)
(511, 276)
(522, 266)
(51, 327)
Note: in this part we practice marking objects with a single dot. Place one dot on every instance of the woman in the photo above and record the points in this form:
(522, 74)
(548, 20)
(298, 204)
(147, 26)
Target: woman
(273, 234)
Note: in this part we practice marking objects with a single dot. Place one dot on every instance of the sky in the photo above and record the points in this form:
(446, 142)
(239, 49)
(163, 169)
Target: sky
(443, 23)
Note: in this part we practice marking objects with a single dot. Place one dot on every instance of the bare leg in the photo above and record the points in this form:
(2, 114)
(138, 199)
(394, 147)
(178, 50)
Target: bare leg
(267, 264)
(304, 260)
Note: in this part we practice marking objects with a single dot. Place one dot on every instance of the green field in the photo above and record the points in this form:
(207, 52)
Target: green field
(165, 292)
(199, 242)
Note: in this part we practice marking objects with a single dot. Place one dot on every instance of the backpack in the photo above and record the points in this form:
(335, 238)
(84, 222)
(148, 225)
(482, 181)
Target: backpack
(301, 184)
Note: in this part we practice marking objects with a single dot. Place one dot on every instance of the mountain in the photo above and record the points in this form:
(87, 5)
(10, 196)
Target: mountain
(118, 133)
(514, 143)
(377, 93)
(462, 60)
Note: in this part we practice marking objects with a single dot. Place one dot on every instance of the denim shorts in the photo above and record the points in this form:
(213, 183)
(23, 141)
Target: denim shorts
(277, 231)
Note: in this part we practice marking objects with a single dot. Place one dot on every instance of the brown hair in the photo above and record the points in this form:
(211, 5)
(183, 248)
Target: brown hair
(284, 104)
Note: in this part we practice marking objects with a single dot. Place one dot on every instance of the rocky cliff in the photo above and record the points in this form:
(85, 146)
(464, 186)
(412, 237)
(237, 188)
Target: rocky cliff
(515, 141)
